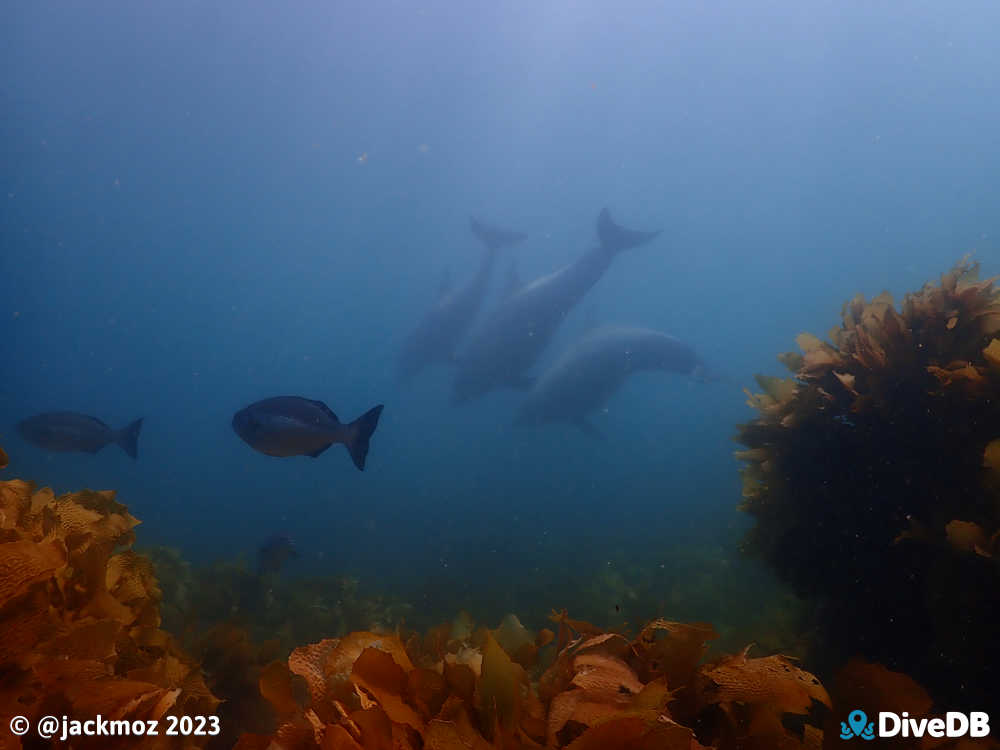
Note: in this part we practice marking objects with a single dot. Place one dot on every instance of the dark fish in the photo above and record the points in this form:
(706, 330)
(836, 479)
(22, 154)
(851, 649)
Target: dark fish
(295, 426)
(274, 552)
(67, 431)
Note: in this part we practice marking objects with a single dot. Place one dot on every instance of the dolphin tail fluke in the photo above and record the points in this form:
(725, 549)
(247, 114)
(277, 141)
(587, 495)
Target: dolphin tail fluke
(128, 438)
(493, 237)
(361, 433)
(616, 238)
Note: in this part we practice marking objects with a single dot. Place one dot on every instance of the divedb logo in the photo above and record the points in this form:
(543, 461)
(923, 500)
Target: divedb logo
(954, 724)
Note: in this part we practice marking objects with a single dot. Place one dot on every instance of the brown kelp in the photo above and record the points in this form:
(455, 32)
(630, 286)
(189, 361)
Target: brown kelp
(874, 479)
(80, 621)
(583, 688)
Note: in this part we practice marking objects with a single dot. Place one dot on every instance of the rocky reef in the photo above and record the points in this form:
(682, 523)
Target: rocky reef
(873, 475)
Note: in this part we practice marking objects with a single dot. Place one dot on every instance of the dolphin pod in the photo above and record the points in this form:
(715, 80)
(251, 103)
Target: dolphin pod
(589, 373)
(519, 329)
(498, 355)
(442, 328)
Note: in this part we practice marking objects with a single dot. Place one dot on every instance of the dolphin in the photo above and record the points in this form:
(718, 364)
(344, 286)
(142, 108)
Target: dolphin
(589, 373)
(441, 329)
(517, 332)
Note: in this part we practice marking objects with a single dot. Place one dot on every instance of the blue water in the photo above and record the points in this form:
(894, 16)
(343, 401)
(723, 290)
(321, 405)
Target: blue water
(208, 203)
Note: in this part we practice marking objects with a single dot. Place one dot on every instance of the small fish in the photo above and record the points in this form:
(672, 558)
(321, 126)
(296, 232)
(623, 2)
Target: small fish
(295, 426)
(67, 431)
(274, 552)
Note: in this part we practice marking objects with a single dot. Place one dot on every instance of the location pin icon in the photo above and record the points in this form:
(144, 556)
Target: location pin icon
(857, 720)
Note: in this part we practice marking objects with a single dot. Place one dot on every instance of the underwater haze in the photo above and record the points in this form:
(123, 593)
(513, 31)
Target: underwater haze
(206, 204)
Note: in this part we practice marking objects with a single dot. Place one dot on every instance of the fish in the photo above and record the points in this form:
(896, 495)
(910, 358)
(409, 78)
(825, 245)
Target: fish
(295, 426)
(441, 329)
(70, 432)
(274, 552)
(585, 376)
(522, 325)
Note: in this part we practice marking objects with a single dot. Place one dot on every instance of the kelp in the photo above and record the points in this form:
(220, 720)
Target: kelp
(80, 617)
(872, 475)
(235, 668)
(587, 689)
(80, 622)
(688, 579)
(292, 610)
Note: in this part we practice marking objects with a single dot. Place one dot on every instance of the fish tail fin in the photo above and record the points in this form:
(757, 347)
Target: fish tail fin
(361, 432)
(494, 237)
(128, 438)
(616, 238)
